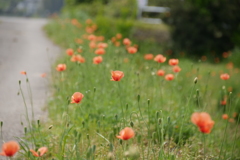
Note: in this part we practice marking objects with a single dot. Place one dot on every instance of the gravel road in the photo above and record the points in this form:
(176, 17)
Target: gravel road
(23, 47)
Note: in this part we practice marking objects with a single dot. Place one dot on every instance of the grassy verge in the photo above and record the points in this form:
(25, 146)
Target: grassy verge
(158, 110)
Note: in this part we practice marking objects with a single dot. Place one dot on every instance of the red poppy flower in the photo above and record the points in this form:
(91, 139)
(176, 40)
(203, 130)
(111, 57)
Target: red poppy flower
(61, 67)
(203, 121)
(224, 76)
(92, 44)
(117, 44)
(160, 72)
(78, 58)
(91, 37)
(132, 50)
(173, 62)
(126, 133)
(169, 77)
(69, 51)
(126, 41)
(231, 120)
(225, 54)
(97, 60)
(100, 38)
(79, 41)
(160, 58)
(117, 75)
(100, 51)
(9, 148)
(77, 97)
(41, 151)
(119, 36)
(102, 45)
(148, 56)
(176, 69)
(23, 72)
(43, 75)
(225, 116)
(79, 50)
(223, 102)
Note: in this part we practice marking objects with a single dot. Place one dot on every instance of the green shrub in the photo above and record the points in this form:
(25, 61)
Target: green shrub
(205, 26)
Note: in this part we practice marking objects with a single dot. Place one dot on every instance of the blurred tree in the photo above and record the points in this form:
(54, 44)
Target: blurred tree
(74, 2)
(8, 6)
(205, 26)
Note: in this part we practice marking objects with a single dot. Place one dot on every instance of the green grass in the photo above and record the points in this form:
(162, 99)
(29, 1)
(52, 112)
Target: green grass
(158, 110)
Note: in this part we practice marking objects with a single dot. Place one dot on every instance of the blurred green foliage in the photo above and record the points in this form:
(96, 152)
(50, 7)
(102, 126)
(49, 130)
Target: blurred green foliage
(202, 27)
(8, 6)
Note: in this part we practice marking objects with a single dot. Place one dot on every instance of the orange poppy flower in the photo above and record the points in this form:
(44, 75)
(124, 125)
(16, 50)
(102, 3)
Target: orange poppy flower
(100, 38)
(89, 30)
(9, 148)
(113, 39)
(231, 120)
(79, 50)
(160, 72)
(204, 58)
(88, 21)
(77, 97)
(173, 62)
(126, 133)
(80, 59)
(119, 36)
(176, 69)
(126, 41)
(61, 67)
(235, 114)
(43, 75)
(73, 58)
(230, 65)
(117, 75)
(74, 21)
(223, 102)
(23, 72)
(169, 77)
(203, 121)
(148, 56)
(225, 116)
(100, 51)
(94, 27)
(225, 54)
(92, 44)
(132, 50)
(69, 51)
(102, 45)
(97, 60)
(224, 76)
(160, 58)
(79, 41)
(117, 44)
(41, 151)
(91, 37)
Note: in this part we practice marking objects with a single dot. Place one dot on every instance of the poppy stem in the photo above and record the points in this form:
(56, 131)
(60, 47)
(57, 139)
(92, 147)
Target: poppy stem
(235, 136)
(30, 95)
(224, 136)
(120, 98)
(27, 116)
(184, 108)
(1, 124)
(204, 151)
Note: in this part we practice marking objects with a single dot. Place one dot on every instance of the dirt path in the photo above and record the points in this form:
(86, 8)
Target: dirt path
(23, 47)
